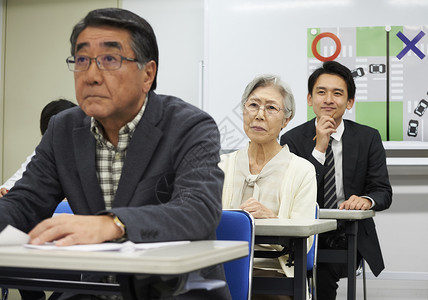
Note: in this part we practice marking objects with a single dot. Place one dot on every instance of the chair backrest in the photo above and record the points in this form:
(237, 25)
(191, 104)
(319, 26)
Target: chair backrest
(238, 225)
(63, 208)
(311, 257)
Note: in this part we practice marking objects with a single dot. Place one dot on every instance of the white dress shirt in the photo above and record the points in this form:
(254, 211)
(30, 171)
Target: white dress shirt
(336, 146)
(18, 174)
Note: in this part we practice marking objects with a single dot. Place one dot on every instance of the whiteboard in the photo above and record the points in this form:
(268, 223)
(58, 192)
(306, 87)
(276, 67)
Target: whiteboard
(178, 26)
(1, 87)
(246, 38)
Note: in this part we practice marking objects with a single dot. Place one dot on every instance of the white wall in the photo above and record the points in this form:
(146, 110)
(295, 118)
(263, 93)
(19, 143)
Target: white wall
(246, 38)
(1, 84)
(178, 26)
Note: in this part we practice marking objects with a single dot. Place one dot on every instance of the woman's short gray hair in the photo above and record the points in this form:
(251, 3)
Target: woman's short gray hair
(283, 88)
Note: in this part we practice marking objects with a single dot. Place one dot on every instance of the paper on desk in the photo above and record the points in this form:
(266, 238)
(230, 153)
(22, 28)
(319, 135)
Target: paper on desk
(122, 247)
(12, 236)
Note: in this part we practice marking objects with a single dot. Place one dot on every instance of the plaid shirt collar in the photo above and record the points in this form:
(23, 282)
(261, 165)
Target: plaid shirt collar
(125, 133)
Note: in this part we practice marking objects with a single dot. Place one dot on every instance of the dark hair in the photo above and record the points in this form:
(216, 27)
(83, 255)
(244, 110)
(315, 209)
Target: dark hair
(143, 39)
(333, 68)
(51, 109)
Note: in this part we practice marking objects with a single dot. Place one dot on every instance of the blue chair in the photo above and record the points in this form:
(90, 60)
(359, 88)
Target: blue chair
(4, 293)
(63, 208)
(312, 261)
(238, 225)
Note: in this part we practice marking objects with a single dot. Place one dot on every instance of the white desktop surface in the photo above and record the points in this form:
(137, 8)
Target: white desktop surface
(343, 214)
(173, 260)
(293, 227)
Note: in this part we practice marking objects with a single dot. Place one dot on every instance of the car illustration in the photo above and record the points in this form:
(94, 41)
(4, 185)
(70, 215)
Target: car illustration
(413, 128)
(421, 108)
(377, 68)
(358, 72)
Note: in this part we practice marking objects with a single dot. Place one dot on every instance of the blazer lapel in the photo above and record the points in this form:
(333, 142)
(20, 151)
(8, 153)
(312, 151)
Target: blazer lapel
(309, 134)
(349, 156)
(140, 151)
(84, 148)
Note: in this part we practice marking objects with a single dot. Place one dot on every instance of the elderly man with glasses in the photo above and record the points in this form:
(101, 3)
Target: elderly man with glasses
(133, 165)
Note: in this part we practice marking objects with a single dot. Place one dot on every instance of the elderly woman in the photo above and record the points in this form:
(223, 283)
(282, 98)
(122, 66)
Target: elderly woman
(264, 178)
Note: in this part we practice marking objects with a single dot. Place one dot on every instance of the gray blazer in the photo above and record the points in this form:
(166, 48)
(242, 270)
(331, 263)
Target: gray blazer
(170, 187)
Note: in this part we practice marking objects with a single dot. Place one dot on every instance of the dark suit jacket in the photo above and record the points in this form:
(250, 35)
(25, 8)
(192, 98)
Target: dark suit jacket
(170, 187)
(364, 174)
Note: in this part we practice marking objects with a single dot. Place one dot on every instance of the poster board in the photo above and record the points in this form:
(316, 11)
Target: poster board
(244, 39)
(387, 64)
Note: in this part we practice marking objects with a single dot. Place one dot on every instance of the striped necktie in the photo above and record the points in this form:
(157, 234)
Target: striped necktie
(329, 179)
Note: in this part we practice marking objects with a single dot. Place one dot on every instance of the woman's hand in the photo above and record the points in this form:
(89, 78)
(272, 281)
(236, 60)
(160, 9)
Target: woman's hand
(257, 210)
(3, 191)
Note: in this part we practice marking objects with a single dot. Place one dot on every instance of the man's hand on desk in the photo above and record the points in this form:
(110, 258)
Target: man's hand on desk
(256, 209)
(69, 230)
(356, 203)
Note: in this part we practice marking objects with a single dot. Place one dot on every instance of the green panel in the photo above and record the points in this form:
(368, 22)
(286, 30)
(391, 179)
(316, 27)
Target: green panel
(373, 114)
(311, 113)
(396, 121)
(395, 44)
(371, 41)
(310, 39)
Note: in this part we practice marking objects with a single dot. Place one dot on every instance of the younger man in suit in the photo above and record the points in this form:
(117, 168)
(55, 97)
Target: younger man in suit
(353, 176)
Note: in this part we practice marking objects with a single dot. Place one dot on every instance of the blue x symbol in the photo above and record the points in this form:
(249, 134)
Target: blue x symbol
(410, 45)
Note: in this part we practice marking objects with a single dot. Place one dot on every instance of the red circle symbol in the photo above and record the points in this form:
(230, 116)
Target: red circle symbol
(318, 38)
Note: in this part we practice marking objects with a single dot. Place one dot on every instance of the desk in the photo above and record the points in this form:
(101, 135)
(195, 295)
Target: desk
(126, 265)
(293, 234)
(348, 256)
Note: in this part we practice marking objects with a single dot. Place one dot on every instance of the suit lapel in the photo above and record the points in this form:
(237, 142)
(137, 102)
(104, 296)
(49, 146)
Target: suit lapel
(140, 151)
(84, 143)
(309, 134)
(349, 156)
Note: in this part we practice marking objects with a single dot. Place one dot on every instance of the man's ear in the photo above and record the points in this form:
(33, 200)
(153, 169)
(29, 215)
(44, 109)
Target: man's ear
(149, 73)
(309, 99)
(350, 103)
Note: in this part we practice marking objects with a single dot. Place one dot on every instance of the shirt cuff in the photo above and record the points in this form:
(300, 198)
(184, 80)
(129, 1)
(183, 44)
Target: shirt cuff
(367, 197)
(319, 156)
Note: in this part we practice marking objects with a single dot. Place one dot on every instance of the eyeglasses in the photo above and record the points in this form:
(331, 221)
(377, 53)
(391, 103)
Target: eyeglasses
(270, 109)
(110, 62)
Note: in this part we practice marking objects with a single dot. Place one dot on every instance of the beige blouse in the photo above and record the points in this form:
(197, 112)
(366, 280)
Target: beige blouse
(286, 185)
(263, 186)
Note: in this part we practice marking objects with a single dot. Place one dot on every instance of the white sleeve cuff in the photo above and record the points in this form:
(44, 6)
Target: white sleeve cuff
(319, 156)
(367, 197)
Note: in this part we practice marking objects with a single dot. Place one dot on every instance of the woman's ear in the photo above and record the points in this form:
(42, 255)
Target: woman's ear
(285, 122)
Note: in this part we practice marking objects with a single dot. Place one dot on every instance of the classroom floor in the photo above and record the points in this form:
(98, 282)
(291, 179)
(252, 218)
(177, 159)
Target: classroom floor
(387, 289)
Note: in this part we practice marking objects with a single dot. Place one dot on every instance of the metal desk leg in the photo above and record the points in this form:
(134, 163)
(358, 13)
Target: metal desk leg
(300, 262)
(351, 233)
